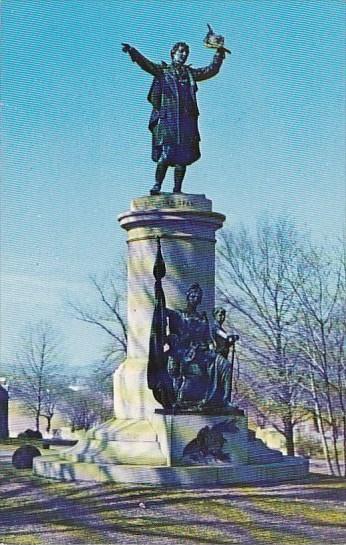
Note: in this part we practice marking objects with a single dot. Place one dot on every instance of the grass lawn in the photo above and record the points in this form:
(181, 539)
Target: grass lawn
(35, 511)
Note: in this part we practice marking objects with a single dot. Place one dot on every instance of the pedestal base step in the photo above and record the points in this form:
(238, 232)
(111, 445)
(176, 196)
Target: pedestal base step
(124, 430)
(54, 468)
(116, 452)
(259, 453)
(118, 442)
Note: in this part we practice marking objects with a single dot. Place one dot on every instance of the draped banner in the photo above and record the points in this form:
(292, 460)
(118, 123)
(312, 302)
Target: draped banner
(158, 378)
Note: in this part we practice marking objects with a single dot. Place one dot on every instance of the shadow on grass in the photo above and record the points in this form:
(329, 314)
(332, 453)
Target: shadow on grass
(108, 509)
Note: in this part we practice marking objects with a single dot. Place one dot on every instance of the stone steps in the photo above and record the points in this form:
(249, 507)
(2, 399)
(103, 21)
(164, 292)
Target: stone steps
(286, 470)
(259, 453)
(264, 458)
(129, 451)
(124, 430)
(118, 442)
(116, 452)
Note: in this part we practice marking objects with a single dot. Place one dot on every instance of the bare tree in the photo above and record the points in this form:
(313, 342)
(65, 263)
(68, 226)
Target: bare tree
(256, 275)
(107, 312)
(52, 399)
(84, 406)
(321, 335)
(38, 371)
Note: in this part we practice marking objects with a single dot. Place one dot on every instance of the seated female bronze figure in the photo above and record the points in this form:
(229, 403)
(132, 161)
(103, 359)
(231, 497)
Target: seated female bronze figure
(195, 377)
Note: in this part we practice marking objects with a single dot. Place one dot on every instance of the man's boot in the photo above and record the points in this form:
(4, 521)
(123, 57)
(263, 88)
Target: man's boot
(156, 189)
(160, 174)
(179, 173)
(177, 187)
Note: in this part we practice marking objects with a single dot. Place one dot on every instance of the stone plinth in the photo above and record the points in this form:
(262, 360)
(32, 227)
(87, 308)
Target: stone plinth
(142, 444)
(53, 467)
(177, 434)
(162, 453)
(186, 225)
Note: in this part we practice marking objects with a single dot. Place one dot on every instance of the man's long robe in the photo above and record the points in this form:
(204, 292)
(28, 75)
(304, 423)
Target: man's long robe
(174, 118)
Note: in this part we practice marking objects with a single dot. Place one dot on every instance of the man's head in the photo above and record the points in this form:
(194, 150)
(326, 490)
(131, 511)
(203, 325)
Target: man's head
(179, 53)
(194, 294)
(219, 314)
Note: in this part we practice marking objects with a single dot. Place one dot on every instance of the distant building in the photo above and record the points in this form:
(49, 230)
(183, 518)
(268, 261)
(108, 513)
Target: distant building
(3, 409)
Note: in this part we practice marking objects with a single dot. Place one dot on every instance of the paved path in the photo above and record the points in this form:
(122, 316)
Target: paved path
(36, 511)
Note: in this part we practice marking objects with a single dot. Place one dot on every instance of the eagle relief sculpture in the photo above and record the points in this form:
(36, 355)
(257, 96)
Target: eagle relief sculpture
(207, 447)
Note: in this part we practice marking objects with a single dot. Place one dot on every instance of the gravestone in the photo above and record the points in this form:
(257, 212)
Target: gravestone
(23, 457)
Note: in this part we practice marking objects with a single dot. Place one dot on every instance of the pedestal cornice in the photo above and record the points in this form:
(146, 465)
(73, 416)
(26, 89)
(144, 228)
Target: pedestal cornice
(162, 221)
(171, 215)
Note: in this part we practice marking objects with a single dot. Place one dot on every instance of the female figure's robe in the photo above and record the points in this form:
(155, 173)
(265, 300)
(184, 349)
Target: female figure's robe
(202, 377)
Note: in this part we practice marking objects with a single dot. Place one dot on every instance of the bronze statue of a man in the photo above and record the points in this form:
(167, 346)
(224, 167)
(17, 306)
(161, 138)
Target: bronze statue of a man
(174, 118)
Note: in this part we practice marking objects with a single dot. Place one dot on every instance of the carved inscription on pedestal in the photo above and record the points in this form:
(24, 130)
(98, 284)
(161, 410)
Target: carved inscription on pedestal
(168, 201)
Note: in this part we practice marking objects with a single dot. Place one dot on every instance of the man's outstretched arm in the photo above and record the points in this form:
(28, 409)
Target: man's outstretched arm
(207, 72)
(143, 62)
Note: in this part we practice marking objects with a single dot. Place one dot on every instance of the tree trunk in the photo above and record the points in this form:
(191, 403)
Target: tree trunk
(342, 405)
(288, 428)
(344, 442)
(49, 422)
(37, 421)
(334, 427)
(320, 424)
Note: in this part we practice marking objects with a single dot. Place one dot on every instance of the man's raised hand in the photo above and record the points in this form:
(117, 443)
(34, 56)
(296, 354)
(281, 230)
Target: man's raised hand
(126, 47)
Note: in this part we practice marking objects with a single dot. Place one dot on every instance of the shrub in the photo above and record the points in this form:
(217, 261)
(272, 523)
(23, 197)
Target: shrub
(30, 434)
(308, 446)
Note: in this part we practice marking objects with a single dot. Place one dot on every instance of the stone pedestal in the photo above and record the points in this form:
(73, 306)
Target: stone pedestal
(168, 451)
(186, 225)
(181, 445)
(141, 444)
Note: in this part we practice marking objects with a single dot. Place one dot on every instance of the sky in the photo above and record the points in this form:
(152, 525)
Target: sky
(77, 149)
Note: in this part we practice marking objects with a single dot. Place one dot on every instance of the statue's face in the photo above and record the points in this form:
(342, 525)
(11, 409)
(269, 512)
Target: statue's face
(194, 297)
(220, 315)
(180, 55)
